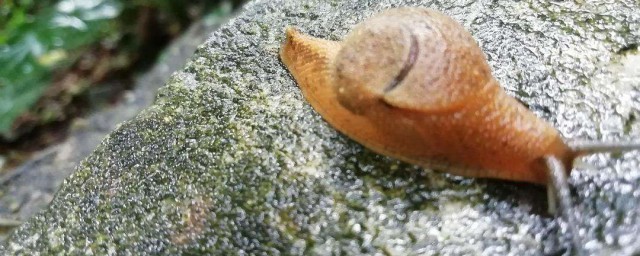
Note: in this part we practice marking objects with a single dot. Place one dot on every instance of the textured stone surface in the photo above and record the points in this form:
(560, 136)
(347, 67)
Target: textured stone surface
(230, 159)
(29, 188)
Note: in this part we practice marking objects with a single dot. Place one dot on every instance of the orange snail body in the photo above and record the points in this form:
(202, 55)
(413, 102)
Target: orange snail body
(413, 84)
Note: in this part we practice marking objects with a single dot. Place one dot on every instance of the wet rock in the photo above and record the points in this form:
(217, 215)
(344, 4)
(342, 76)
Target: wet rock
(230, 158)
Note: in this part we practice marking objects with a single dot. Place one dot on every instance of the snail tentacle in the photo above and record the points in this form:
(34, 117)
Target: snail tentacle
(558, 192)
(580, 148)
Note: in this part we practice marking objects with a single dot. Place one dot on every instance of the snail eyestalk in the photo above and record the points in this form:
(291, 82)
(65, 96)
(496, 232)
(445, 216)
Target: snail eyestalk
(581, 148)
(578, 149)
(558, 189)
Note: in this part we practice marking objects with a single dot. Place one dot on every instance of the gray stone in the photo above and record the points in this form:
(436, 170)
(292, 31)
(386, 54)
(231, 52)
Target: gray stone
(231, 160)
(28, 188)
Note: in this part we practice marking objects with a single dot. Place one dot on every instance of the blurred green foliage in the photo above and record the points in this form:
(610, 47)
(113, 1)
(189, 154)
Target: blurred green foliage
(39, 37)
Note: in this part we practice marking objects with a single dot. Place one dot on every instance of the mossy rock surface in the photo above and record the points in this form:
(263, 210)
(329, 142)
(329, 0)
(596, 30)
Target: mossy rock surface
(232, 160)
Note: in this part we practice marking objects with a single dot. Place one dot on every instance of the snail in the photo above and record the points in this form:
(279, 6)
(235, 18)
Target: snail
(413, 84)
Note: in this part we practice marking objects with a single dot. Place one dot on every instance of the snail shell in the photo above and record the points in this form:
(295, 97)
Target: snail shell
(413, 84)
